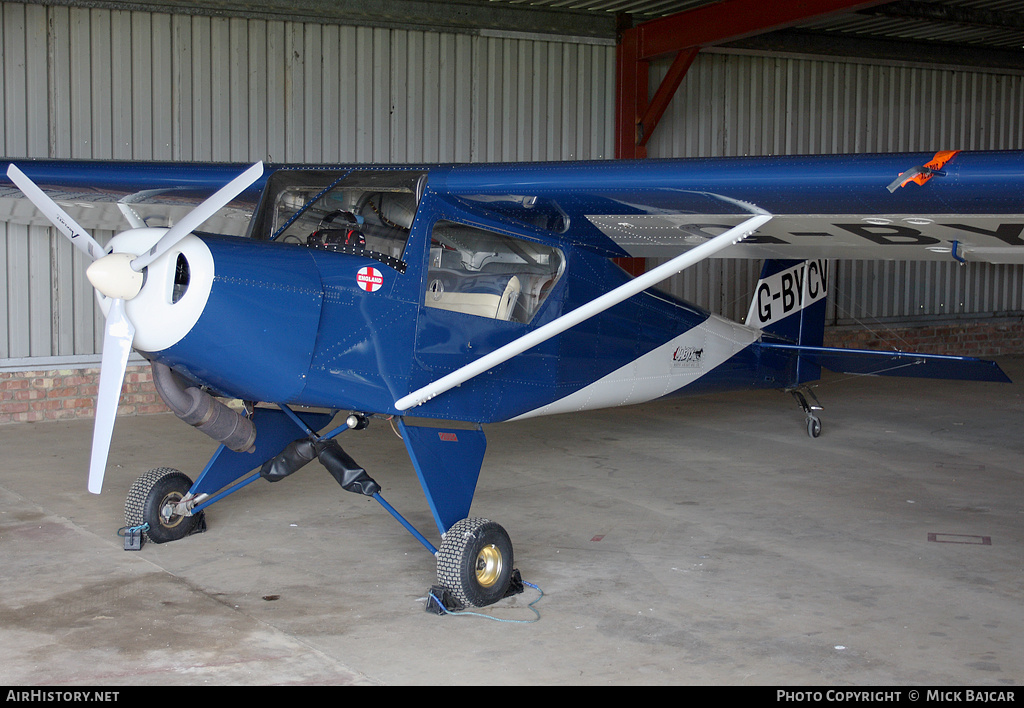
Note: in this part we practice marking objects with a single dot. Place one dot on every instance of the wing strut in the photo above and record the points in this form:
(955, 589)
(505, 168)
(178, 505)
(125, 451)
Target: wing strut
(584, 312)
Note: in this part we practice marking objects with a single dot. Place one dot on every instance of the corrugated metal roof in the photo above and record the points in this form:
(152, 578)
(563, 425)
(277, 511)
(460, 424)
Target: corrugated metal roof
(640, 9)
(988, 23)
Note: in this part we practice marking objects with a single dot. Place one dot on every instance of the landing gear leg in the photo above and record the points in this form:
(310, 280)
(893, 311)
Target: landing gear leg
(813, 422)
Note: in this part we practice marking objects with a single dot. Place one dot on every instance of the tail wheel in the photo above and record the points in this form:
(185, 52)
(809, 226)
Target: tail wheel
(813, 426)
(151, 500)
(475, 562)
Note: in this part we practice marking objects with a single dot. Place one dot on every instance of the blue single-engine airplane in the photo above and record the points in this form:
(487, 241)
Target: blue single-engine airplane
(479, 293)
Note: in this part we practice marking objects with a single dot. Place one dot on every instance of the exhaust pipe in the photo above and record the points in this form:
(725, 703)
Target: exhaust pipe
(204, 412)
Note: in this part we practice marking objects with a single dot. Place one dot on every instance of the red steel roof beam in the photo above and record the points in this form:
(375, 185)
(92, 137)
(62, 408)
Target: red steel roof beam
(666, 90)
(631, 89)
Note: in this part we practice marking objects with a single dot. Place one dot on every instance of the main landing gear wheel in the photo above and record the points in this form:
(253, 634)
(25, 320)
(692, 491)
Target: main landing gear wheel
(475, 562)
(151, 500)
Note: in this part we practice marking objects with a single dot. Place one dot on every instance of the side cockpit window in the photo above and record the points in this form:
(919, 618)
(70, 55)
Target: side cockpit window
(477, 272)
(362, 212)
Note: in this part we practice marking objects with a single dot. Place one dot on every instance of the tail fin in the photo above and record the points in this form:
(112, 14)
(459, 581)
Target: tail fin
(789, 305)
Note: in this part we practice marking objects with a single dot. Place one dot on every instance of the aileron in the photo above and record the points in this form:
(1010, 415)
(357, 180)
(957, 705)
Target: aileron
(990, 238)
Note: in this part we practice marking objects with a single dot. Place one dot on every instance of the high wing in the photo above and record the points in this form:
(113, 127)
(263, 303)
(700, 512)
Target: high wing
(879, 206)
(968, 206)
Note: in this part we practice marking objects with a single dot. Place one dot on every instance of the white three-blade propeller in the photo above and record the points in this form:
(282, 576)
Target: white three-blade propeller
(119, 276)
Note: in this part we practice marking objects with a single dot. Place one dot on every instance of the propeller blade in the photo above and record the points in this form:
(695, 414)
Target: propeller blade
(117, 345)
(79, 237)
(195, 218)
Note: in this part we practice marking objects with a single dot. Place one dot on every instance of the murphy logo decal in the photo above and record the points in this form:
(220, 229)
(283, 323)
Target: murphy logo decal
(788, 291)
(687, 357)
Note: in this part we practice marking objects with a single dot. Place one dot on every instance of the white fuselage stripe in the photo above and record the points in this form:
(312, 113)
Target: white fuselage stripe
(663, 370)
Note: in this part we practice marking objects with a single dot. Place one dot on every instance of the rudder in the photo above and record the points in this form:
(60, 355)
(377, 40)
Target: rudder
(789, 306)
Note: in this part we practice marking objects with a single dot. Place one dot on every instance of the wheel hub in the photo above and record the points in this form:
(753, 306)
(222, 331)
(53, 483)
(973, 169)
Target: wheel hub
(168, 506)
(488, 565)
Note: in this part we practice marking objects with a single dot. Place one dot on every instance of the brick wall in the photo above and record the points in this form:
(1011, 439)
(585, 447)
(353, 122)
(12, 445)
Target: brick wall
(70, 393)
(61, 394)
(985, 337)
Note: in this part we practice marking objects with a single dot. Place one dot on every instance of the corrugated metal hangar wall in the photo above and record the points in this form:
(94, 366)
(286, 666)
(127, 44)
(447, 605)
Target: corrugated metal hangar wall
(97, 83)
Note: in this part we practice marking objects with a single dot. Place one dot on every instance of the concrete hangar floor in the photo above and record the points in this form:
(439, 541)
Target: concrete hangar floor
(706, 540)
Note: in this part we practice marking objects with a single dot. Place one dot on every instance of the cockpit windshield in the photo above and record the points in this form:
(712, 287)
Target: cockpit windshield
(363, 212)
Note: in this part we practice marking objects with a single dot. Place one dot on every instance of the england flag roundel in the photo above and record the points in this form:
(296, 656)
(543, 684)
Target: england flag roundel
(369, 279)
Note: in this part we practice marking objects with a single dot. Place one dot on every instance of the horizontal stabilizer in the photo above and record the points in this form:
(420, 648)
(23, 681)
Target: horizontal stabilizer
(876, 363)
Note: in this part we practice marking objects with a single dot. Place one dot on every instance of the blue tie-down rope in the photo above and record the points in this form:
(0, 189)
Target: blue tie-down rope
(464, 613)
(125, 530)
